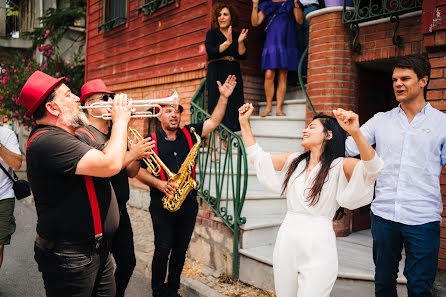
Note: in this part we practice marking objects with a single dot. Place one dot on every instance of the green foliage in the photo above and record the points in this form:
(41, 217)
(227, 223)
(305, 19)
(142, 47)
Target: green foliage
(15, 71)
(14, 74)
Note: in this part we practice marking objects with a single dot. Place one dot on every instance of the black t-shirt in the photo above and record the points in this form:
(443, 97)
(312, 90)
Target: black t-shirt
(173, 153)
(61, 197)
(120, 181)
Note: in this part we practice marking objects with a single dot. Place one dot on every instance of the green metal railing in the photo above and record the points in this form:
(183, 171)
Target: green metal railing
(369, 10)
(149, 7)
(302, 77)
(222, 172)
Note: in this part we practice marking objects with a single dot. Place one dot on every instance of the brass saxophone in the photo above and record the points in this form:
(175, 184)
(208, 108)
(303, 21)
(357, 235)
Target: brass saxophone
(183, 179)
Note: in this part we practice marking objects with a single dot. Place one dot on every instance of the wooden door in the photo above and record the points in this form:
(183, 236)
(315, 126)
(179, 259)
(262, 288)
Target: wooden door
(375, 95)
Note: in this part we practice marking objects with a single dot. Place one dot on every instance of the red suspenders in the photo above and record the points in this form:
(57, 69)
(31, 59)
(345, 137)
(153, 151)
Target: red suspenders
(191, 144)
(90, 190)
(189, 140)
(86, 132)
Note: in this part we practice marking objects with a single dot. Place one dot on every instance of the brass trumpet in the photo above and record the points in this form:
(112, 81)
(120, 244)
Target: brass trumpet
(154, 162)
(150, 106)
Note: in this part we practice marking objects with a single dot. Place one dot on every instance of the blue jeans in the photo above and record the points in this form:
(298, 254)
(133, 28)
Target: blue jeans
(421, 244)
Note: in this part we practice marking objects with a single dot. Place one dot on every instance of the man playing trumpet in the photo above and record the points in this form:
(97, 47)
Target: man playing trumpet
(173, 230)
(77, 214)
(97, 134)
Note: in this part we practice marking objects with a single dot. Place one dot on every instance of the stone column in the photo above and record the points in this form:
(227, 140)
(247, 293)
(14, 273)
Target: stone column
(2, 18)
(332, 75)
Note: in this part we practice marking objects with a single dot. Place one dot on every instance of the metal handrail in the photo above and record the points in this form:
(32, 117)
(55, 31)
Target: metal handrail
(301, 79)
(369, 10)
(364, 11)
(221, 181)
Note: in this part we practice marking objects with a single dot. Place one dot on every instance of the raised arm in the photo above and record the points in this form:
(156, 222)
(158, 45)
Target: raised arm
(349, 121)
(245, 112)
(241, 42)
(219, 111)
(110, 160)
(257, 16)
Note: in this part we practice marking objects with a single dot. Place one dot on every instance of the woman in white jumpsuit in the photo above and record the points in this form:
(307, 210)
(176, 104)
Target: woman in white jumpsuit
(305, 261)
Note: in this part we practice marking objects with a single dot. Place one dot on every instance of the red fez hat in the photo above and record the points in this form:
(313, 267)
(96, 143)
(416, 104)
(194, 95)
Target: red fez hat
(38, 86)
(93, 87)
(180, 108)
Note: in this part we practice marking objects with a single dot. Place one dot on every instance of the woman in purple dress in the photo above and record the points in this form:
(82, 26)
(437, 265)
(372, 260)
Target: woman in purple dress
(280, 51)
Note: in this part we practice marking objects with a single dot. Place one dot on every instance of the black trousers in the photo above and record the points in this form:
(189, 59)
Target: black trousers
(123, 251)
(173, 232)
(76, 271)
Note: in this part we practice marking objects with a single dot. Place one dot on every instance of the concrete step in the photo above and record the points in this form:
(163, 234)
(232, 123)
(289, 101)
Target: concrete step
(280, 143)
(277, 126)
(295, 106)
(353, 288)
(356, 266)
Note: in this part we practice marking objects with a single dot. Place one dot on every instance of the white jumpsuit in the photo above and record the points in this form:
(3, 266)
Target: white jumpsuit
(305, 260)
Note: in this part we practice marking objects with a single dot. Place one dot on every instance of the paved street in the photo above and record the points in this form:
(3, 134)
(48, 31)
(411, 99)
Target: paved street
(19, 276)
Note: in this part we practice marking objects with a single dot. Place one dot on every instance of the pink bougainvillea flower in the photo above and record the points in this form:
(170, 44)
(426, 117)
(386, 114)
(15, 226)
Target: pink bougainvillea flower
(26, 118)
(12, 67)
(72, 67)
(48, 46)
(27, 68)
(1, 98)
(50, 51)
(5, 70)
(67, 79)
(4, 119)
(14, 119)
(4, 80)
(15, 70)
(16, 113)
(57, 73)
(23, 60)
(18, 81)
(45, 65)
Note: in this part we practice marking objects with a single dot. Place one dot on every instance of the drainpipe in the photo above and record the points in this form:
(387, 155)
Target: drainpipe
(3, 17)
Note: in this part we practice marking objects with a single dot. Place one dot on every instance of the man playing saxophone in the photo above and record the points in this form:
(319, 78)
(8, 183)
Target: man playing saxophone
(96, 135)
(173, 230)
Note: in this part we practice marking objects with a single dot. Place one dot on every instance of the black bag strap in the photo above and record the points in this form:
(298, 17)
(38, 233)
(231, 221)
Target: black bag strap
(7, 173)
(275, 13)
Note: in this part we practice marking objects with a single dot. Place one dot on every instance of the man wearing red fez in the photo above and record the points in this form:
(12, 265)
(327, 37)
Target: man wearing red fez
(173, 230)
(97, 134)
(77, 215)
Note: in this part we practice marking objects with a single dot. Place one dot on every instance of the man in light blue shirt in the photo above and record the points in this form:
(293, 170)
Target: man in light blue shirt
(407, 208)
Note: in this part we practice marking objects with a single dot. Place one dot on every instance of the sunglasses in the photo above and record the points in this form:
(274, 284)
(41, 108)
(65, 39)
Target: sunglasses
(105, 97)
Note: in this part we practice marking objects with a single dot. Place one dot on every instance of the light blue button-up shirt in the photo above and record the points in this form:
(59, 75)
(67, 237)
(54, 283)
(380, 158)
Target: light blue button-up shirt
(408, 189)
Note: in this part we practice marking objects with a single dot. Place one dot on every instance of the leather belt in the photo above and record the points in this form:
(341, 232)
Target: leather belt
(225, 58)
(84, 246)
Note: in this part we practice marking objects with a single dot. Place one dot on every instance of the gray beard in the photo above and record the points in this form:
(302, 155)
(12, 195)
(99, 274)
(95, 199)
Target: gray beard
(77, 120)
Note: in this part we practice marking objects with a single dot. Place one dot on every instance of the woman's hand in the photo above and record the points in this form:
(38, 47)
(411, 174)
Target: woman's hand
(348, 120)
(243, 35)
(245, 112)
(255, 1)
(229, 37)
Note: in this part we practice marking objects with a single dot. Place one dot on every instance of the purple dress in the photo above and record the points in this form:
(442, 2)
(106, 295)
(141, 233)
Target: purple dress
(280, 49)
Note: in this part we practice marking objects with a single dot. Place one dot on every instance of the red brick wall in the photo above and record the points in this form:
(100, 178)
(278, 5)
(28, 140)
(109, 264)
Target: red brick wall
(435, 43)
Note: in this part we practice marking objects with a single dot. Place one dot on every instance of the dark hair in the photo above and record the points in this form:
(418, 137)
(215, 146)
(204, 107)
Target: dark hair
(40, 112)
(419, 64)
(331, 149)
(216, 10)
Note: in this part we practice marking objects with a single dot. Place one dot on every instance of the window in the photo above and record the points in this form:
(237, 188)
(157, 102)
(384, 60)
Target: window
(111, 14)
(149, 7)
